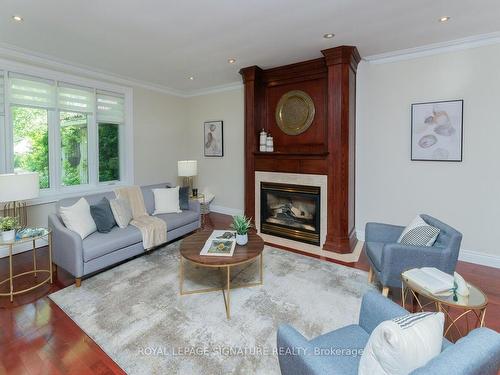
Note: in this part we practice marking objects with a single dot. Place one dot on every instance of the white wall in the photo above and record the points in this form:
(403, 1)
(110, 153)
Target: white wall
(390, 187)
(222, 176)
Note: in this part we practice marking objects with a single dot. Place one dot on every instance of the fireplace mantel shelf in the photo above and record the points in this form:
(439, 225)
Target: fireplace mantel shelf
(296, 153)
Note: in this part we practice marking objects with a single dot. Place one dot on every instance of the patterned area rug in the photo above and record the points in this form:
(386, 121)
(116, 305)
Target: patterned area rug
(135, 314)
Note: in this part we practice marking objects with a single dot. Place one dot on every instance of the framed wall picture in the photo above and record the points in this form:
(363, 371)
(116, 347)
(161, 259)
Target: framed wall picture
(213, 143)
(437, 131)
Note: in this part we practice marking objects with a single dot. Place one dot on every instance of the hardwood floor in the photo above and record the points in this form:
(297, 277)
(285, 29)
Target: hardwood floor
(37, 337)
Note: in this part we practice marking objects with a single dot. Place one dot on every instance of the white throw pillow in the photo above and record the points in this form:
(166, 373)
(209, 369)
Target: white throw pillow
(419, 233)
(166, 201)
(121, 211)
(401, 345)
(78, 218)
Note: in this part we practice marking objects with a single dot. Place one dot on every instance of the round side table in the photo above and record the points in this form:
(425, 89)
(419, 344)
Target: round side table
(472, 306)
(38, 233)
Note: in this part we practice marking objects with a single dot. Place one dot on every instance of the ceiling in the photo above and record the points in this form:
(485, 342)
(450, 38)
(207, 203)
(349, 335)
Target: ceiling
(164, 42)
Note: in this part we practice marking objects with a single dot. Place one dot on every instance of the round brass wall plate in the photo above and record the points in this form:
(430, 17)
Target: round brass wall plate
(295, 112)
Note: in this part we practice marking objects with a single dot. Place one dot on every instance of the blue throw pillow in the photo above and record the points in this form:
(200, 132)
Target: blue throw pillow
(184, 198)
(103, 216)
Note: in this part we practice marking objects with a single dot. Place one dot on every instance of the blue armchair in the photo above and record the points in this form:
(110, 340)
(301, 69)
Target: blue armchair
(388, 259)
(339, 352)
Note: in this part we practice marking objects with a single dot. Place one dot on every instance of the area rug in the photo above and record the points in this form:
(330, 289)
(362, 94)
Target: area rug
(135, 314)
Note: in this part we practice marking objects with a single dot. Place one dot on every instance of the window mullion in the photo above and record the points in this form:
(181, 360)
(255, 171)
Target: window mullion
(54, 150)
(93, 146)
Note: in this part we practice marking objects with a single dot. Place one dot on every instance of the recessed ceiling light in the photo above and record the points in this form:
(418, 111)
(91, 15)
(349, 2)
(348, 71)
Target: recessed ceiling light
(17, 18)
(328, 36)
(231, 61)
(444, 19)
(191, 78)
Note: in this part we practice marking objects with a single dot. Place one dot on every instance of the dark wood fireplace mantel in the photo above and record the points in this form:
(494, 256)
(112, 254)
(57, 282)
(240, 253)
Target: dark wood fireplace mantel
(327, 147)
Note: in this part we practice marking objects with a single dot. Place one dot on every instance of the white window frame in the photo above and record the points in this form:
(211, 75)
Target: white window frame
(56, 190)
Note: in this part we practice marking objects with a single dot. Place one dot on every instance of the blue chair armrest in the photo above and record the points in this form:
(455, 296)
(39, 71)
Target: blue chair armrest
(296, 355)
(478, 353)
(378, 232)
(375, 308)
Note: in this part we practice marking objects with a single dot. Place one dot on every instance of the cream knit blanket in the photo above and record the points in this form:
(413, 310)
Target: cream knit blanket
(153, 229)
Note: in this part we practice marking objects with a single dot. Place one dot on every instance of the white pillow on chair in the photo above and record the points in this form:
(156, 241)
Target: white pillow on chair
(401, 345)
(78, 218)
(419, 233)
(166, 201)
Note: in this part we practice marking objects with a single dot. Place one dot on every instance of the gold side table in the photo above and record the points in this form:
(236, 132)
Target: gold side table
(456, 325)
(39, 233)
(204, 207)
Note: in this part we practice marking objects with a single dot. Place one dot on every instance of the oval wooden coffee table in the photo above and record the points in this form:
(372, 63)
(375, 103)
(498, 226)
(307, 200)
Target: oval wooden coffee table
(190, 251)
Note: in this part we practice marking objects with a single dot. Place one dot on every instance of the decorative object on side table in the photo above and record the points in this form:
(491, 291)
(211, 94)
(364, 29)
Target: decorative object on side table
(187, 169)
(8, 226)
(453, 294)
(213, 144)
(16, 188)
(437, 131)
(27, 235)
(241, 224)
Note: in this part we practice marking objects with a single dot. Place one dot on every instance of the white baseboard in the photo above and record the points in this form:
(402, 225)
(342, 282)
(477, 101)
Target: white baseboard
(226, 210)
(468, 256)
(21, 248)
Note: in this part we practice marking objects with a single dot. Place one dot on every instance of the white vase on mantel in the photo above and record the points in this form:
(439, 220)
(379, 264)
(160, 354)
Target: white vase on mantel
(241, 239)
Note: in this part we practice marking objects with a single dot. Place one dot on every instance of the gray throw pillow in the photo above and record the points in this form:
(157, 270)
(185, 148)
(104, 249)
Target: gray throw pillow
(184, 198)
(103, 216)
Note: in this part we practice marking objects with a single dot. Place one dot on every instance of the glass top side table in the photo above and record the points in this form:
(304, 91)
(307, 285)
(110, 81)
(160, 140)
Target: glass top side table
(25, 236)
(473, 305)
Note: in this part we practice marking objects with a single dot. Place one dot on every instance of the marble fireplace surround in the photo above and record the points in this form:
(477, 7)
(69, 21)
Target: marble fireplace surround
(307, 180)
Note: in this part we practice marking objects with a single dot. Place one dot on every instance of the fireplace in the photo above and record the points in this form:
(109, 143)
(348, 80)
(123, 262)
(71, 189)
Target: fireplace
(290, 211)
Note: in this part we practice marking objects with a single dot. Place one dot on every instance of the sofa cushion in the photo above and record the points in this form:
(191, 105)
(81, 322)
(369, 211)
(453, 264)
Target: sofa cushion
(374, 251)
(103, 216)
(175, 221)
(99, 244)
(351, 338)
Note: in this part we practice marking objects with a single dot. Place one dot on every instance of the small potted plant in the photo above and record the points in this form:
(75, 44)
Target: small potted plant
(8, 227)
(241, 224)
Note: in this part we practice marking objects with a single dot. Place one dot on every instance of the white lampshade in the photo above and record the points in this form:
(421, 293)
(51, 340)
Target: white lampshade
(19, 186)
(187, 168)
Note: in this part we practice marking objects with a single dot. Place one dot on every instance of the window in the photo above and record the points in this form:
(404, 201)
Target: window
(72, 135)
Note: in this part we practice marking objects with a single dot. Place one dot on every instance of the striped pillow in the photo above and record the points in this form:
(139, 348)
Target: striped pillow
(419, 233)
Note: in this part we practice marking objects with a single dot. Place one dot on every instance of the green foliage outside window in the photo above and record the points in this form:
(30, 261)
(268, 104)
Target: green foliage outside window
(109, 154)
(31, 142)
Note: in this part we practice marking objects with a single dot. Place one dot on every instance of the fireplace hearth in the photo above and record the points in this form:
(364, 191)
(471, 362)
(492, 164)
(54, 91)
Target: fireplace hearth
(291, 211)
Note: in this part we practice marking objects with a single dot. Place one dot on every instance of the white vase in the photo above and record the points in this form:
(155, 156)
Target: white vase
(241, 239)
(9, 236)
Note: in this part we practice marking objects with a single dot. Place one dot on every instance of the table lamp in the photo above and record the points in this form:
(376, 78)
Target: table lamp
(187, 169)
(15, 188)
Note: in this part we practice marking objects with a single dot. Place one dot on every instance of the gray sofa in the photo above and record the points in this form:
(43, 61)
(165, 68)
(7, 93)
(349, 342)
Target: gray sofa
(100, 250)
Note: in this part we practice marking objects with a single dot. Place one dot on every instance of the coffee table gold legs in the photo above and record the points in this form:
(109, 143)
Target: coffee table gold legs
(226, 291)
(11, 275)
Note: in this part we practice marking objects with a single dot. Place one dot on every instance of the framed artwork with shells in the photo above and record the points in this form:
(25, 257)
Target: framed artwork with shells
(437, 131)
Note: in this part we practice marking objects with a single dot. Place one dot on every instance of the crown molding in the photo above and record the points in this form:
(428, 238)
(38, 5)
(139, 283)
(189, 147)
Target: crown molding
(25, 56)
(435, 48)
(214, 89)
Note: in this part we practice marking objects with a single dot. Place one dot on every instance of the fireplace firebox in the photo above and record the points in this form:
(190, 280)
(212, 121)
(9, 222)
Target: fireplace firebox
(290, 211)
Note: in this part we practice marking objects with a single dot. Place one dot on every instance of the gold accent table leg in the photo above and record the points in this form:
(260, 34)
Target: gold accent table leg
(228, 306)
(10, 275)
(483, 314)
(262, 268)
(78, 282)
(34, 257)
(50, 257)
